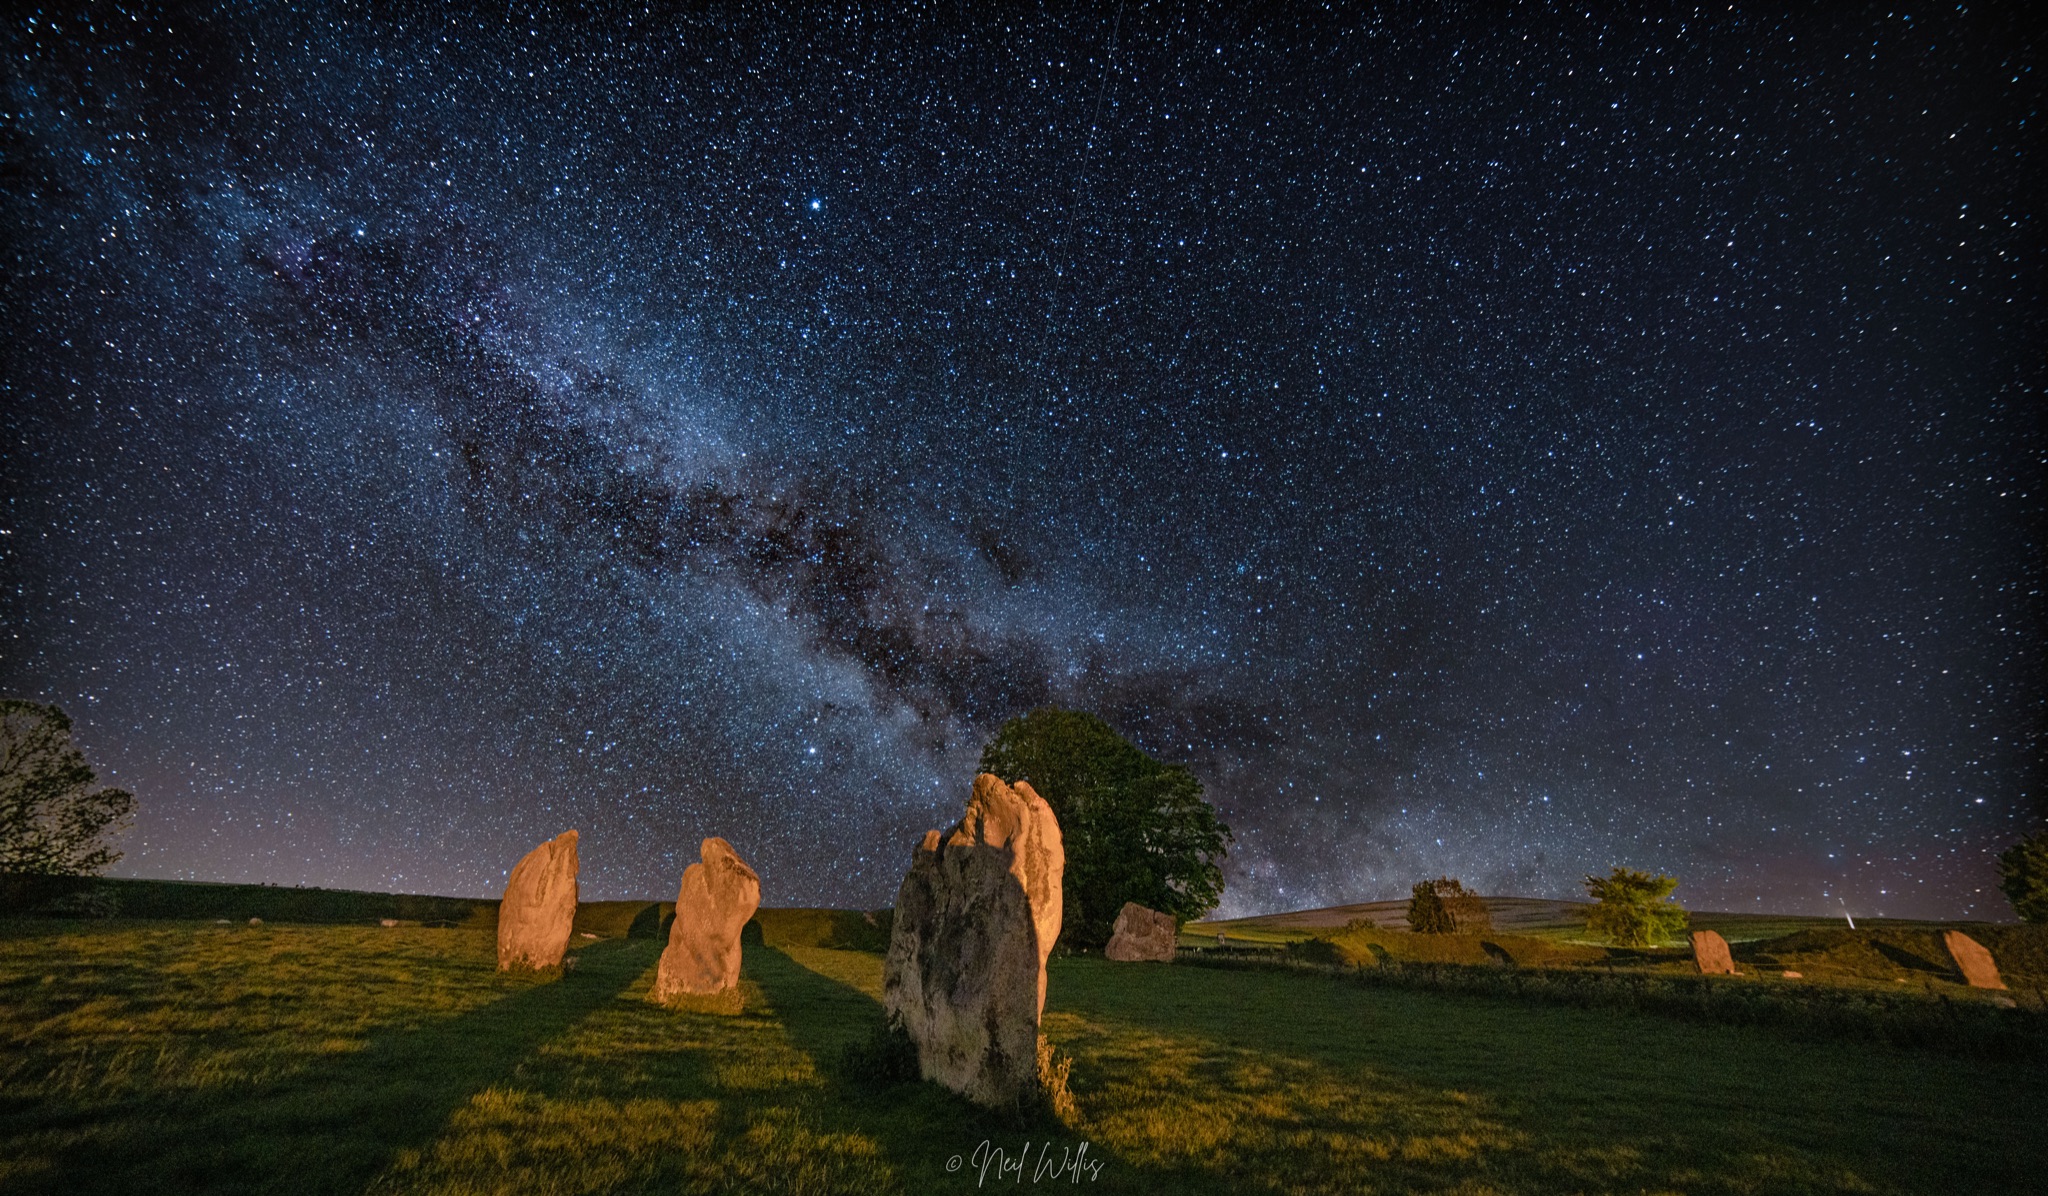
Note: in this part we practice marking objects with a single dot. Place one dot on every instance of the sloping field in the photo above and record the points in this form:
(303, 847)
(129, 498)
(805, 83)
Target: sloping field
(1511, 915)
(195, 1057)
(1522, 915)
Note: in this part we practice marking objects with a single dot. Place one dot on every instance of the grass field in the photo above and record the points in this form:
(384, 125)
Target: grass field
(198, 1057)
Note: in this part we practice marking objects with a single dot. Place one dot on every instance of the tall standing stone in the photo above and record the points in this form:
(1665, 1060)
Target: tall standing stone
(1710, 953)
(717, 897)
(539, 908)
(1142, 934)
(1972, 960)
(976, 918)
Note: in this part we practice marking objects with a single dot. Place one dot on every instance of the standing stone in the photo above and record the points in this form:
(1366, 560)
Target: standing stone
(539, 908)
(1710, 953)
(1142, 934)
(718, 896)
(975, 920)
(1972, 960)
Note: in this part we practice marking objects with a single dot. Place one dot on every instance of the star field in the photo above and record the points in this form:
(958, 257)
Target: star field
(1503, 445)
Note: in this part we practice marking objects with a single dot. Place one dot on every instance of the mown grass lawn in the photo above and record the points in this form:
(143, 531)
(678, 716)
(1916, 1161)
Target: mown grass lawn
(194, 1057)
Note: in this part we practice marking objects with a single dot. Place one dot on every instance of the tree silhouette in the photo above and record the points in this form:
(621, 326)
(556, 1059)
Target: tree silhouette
(52, 820)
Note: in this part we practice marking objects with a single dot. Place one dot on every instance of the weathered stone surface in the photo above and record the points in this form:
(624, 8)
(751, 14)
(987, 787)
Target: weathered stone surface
(976, 918)
(539, 908)
(1972, 960)
(716, 899)
(1142, 934)
(1710, 954)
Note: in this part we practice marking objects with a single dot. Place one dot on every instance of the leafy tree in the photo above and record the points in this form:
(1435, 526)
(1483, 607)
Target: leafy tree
(1426, 912)
(1135, 829)
(52, 820)
(2023, 874)
(1444, 906)
(1634, 909)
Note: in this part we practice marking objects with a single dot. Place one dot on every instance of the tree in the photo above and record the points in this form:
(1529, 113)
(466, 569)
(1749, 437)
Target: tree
(1135, 829)
(1426, 912)
(52, 820)
(1633, 909)
(2023, 874)
(1444, 906)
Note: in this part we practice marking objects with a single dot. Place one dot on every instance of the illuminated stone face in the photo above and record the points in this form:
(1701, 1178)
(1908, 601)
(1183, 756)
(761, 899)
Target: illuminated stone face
(717, 897)
(976, 918)
(539, 908)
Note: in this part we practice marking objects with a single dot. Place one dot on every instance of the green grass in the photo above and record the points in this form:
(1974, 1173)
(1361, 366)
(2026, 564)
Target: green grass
(191, 1057)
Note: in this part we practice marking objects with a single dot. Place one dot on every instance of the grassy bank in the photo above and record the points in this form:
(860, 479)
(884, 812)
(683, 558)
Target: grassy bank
(1971, 1024)
(184, 900)
(197, 1057)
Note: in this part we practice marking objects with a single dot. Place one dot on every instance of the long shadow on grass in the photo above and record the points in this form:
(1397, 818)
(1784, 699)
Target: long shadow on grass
(333, 1127)
(919, 1126)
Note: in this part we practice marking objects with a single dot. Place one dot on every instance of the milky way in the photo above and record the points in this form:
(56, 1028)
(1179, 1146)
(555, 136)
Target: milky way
(1503, 445)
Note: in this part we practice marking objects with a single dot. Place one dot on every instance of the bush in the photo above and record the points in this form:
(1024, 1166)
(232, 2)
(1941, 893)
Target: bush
(1321, 951)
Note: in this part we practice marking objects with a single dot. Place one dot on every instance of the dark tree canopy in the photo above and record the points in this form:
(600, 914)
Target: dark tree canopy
(52, 820)
(1444, 906)
(2023, 875)
(1135, 829)
(1634, 909)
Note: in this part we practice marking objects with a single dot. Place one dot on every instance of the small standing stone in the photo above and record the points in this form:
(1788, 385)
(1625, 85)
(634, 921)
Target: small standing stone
(717, 897)
(1972, 960)
(1710, 953)
(1142, 934)
(539, 909)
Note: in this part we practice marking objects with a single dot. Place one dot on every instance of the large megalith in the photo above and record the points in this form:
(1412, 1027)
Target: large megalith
(539, 908)
(717, 897)
(1142, 934)
(975, 920)
(1972, 960)
(1710, 954)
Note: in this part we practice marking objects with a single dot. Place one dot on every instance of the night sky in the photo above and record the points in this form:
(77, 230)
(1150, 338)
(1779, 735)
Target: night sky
(1505, 444)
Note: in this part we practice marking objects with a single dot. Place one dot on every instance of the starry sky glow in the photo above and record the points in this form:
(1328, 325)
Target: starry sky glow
(1502, 442)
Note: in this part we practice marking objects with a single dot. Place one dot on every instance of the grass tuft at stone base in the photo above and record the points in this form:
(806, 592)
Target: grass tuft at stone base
(1055, 1068)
